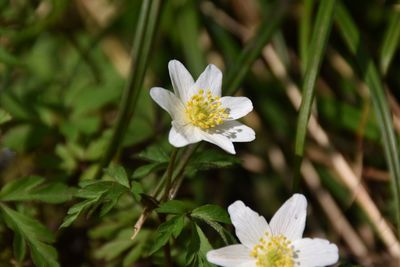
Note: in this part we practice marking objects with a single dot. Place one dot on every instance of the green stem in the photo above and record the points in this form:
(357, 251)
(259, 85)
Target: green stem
(319, 40)
(170, 169)
(145, 31)
(159, 193)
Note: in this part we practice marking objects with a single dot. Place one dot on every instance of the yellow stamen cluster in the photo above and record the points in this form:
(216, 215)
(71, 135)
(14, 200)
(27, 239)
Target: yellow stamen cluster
(274, 251)
(204, 110)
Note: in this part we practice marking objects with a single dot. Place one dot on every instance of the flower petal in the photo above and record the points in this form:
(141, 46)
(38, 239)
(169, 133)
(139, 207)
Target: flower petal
(236, 131)
(237, 106)
(234, 255)
(219, 140)
(181, 80)
(168, 101)
(182, 135)
(210, 79)
(315, 252)
(249, 225)
(290, 219)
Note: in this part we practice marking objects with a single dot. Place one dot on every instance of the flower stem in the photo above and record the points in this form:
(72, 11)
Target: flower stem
(168, 193)
(170, 169)
(145, 30)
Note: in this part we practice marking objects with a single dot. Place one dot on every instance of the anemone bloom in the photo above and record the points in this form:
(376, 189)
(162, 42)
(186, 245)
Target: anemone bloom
(277, 244)
(199, 112)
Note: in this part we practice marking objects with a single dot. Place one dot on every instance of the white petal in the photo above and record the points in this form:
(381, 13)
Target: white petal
(219, 140)
(249, 225)
(168, 101)
(315, 252)
(290, 219)
(236, 131)
(231, 256)
(237, 106)
(181, 80)
(210, 79)
(183, 135)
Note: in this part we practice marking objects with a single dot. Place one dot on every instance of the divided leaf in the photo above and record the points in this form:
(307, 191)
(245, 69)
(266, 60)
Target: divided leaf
(198, 248)
(96, 193)
(171, 228)
(211, 213)
(119, 174)
(173, 207)
(34, 188)
(34, 234)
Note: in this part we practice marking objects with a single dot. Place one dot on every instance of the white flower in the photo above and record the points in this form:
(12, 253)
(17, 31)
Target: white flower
(277, 244)
(199, 112)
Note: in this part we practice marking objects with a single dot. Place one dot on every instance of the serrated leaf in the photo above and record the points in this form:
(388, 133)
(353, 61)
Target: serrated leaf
(116, 247)
(33, 188)
(137, 190)
(212, 159)
(211, 213)
(171, 228)
(145, 170)
(154, 153)
(173, 207)
(119, 174)
(76, 210)
(19, 247)
(96, 193)
(197, 249)
(35, 234)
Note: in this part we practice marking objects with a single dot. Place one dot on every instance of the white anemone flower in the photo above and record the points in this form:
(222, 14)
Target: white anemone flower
(277, 244)
(199, 112)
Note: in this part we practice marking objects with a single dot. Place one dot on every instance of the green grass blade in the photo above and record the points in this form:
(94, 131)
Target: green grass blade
(189, 32)
(148, 20)
(305, 29)
(254, 47)
(390, 42)
(369, 73)
(316, 51)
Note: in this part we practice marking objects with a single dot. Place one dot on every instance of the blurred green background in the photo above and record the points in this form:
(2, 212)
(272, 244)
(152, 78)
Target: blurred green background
(64, 66)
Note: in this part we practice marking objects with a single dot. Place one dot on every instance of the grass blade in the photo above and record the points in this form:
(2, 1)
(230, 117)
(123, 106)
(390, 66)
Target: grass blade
(315, 54)
(305, 28)
(369, 73)
(390, 42)
(254, 47)
(144, 36)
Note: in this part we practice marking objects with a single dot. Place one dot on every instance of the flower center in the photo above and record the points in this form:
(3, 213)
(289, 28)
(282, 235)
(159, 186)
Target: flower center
(274, 251)
(204, 110)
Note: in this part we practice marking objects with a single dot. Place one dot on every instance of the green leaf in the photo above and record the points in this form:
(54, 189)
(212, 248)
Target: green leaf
(137, 190)
(198, 248)
(119, 175)
(368, 71)
(4, 116)
(35, 234)
(145, 170)
(34, 188)
(116, 247)
(155, 153)
(390, 41)
(211, 213)
(316, 51)
(174, 207)
(19, 247)
(171, 228)
(212, 159)
(103, 194)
